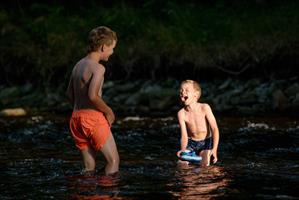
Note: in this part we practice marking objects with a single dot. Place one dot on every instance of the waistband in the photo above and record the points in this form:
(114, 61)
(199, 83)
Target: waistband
(87, 113)
(206, 139)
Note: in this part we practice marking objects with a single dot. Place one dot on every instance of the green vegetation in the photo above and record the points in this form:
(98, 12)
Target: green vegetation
(40, 43)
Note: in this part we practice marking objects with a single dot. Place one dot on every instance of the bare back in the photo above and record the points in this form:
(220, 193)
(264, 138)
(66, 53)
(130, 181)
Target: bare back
(83, 76)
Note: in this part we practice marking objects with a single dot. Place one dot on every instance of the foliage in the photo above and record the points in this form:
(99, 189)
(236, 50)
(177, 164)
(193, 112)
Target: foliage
(40, 42)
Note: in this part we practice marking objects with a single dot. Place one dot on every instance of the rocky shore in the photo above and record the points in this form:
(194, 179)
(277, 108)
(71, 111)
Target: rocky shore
(160, 98)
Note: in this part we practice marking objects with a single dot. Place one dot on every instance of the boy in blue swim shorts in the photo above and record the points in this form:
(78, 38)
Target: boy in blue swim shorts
(198, 126)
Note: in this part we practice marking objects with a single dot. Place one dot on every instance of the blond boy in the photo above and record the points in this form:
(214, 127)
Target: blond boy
(198, 126)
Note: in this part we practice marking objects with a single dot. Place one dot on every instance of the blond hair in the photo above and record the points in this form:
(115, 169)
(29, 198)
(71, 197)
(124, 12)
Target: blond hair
(195, 85)
(100, 36)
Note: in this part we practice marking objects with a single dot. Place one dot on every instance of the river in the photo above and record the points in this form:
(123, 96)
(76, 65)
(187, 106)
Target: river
(258, 158)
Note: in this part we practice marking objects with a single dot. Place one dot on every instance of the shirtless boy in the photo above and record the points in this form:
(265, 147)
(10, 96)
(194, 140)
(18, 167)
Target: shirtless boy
(92, 117)
(199, 130)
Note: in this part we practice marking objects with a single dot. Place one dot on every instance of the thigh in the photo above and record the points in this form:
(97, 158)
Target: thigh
(78, 134)
(205, 154)
(100, 135)
(88, 152)
(110, 149)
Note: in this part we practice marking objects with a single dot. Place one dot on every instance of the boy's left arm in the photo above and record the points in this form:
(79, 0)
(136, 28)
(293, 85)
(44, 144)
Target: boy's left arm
(215, 131)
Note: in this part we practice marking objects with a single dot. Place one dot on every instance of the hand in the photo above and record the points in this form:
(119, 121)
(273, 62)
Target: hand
(214, 154)
(179, 153)
(110, 117)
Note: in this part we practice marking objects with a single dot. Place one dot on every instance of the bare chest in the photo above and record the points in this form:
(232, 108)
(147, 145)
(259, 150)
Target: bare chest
(196, 122)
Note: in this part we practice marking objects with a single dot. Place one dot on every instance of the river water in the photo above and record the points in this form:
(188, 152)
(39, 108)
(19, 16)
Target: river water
(258, 158)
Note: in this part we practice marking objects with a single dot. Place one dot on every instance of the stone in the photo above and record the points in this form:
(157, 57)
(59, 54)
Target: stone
(13, 112)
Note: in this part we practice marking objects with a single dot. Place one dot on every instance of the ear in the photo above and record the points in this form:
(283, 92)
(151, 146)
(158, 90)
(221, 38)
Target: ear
(102, 48)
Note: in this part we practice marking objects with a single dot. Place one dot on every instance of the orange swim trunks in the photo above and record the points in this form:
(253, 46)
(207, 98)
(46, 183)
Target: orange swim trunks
(89, 128)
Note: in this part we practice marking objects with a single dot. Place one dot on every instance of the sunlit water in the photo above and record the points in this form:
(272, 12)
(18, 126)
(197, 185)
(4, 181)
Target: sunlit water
(258, 158)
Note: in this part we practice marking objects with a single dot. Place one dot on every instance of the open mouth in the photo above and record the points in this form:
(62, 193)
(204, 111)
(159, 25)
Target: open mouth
(185, 98)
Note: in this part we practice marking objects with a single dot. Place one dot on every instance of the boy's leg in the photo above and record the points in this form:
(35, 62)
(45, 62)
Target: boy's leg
(111, 154)
(205, 158)
(88, 156)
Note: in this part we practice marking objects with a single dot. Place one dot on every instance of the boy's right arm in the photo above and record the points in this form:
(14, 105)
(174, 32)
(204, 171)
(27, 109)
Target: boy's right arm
(184, 134)
(98, 102)
(103, 107)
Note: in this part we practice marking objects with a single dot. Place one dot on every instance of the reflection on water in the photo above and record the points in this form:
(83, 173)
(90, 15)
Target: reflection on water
(193, 182)
(258, 158)
(93, 187)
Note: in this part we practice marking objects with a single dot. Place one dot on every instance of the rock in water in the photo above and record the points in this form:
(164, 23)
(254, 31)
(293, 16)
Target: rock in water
(13, 112)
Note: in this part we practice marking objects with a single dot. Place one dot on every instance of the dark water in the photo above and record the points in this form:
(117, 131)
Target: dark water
(258, 158)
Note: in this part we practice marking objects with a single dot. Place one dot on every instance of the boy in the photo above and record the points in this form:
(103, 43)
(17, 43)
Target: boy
(92, 117)
(196, 121)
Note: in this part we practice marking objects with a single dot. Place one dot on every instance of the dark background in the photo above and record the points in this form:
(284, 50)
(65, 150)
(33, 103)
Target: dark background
(242, 39)
(158, 40)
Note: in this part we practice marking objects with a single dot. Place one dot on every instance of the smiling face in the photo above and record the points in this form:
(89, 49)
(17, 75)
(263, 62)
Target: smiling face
(188, 93)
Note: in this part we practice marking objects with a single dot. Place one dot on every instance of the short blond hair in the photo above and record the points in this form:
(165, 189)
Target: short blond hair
(195, 85)
(99, 36)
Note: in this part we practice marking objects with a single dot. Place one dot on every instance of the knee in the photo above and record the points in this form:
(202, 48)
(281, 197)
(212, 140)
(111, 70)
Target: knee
(90, 163)
(114, 160)
(205, 163)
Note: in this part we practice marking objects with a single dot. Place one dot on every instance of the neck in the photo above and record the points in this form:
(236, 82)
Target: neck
(191, 106)
(94, 56)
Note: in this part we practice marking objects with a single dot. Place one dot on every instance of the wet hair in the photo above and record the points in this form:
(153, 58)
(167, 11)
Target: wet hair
(195, 85)
(100, 36)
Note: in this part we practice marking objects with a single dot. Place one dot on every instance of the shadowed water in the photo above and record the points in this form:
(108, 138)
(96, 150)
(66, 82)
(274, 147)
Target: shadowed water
(258, 158)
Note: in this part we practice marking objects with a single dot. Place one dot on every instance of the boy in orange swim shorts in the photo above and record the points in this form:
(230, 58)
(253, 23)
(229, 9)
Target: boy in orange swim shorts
(92, 117)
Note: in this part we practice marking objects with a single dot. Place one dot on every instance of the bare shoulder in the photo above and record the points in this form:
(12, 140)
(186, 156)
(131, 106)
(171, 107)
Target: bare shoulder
(101, 67)
(181, 113)
(98, 68)
(205, 107)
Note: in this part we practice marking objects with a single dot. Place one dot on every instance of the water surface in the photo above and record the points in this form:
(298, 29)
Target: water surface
(258, 158)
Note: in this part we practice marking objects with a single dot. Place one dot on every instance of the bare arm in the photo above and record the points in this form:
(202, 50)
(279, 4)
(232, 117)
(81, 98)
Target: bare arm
(70, 91)
(98, 102)
(184, 134)
(215, 131)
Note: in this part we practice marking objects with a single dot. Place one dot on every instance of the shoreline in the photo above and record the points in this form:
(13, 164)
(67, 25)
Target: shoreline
(160, 98)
